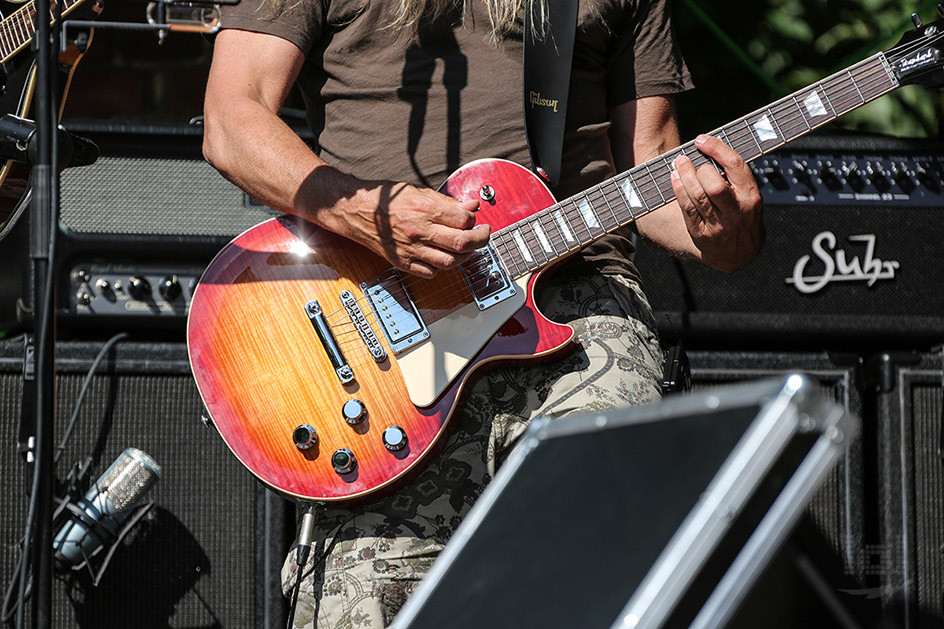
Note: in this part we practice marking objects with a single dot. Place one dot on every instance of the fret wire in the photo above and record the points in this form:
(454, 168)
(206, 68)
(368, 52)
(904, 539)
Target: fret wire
(773, 121)
(576, 214)
(532, 223)
(852, 78)
(586, 206)
(553, 231)
(786, 121)
(621, 196)
(658, 188)
(806, 120)
(606, 217)
(645, 182)
(529, 239)
(609, 208)
(562, 213)
(510, 254)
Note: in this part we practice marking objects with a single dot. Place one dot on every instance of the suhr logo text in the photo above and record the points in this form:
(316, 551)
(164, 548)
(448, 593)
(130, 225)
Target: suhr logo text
(839, 266)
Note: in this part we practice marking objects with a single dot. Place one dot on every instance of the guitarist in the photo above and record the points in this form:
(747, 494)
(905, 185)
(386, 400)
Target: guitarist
(401, 94)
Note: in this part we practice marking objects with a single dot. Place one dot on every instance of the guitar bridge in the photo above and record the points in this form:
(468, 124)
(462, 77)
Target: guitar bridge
(487, 278)
(399, 319)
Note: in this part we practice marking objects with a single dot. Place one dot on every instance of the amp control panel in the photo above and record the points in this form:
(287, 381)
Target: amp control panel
(839, 177)
(105, 290)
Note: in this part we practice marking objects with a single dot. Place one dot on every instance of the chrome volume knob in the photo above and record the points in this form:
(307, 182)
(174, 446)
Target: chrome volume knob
(354, 411)
(394, 438)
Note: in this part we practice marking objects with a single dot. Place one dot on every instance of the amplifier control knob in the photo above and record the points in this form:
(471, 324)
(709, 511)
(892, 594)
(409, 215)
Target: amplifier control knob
(394, 438)
(343, 461)
(169, 288)
(83, 298)
(879, 176)
(304, 437)
(830, 177)
(853, 176)
(903, 178)
(926, 176)
(139, 288)
(103, 286)
(354, 411)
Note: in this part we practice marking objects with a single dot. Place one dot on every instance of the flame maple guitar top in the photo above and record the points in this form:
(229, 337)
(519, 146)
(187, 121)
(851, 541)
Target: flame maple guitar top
(263, 370)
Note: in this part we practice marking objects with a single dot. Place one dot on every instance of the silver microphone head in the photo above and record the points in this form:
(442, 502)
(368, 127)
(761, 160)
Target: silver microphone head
(106, 505)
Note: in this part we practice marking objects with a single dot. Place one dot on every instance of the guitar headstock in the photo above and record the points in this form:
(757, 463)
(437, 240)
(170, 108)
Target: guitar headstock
(918, 57)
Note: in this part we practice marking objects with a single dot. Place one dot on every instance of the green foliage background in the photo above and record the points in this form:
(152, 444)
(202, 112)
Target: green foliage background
(744, 55)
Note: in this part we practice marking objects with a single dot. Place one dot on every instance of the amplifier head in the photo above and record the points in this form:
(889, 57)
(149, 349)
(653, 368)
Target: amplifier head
(851, 256)
(138, 227)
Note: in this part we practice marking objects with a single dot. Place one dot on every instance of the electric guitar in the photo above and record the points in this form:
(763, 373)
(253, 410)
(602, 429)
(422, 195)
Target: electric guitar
(330, 375)
(16, 32)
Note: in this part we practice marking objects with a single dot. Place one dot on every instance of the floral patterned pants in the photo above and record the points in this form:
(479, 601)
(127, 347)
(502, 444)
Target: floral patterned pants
(367, 560)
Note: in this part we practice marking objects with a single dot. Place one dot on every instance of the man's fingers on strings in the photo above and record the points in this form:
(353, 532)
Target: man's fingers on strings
(689, 191)
(735, 168)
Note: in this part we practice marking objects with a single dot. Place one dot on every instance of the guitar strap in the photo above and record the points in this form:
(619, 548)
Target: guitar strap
(547, 65)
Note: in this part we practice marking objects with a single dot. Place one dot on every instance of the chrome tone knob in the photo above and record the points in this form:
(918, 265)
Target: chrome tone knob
(304, 437)
(394, 438)
(354, 411)
(343, 461)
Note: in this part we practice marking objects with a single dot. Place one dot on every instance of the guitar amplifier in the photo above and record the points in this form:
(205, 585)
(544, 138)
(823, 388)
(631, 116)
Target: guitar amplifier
(139, 226)
(851, 257)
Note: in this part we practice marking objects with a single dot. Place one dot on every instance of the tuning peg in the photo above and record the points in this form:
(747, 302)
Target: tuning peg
(916, 20)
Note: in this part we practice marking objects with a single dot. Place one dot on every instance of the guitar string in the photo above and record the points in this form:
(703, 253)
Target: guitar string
(789, 121)
(23, 19)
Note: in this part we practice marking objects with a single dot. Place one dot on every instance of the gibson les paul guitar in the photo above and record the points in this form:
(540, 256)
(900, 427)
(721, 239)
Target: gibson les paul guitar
(330, 375)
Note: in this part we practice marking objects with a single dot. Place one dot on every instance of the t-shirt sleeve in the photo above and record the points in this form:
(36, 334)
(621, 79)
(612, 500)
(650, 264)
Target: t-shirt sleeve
(298, 21)
(646, 59)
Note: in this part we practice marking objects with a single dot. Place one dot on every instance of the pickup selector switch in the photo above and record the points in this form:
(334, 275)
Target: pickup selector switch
(354, 411)
(394, 438)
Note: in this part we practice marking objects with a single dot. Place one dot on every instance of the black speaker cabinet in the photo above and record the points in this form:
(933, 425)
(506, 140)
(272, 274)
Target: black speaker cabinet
(911, 555)
(209, 551)
(874, 532)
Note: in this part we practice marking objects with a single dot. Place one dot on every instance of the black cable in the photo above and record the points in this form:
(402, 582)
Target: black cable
(20, 578)
(85, 386)
(305, 531)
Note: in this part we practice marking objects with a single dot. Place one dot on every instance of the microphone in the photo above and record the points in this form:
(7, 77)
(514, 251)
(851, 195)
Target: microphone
(96, 518)
(18, 142)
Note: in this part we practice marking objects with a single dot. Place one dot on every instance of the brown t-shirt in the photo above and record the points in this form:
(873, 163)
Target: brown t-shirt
(414, 105)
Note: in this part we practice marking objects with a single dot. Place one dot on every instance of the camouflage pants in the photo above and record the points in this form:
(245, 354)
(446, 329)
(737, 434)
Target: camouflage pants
(367, 560)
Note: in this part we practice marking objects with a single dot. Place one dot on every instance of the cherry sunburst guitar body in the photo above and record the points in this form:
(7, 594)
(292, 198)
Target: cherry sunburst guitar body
(331, 376)
(263, 370)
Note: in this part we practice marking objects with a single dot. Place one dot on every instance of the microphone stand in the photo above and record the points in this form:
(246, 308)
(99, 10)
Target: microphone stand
(44, 208)
(45, 217)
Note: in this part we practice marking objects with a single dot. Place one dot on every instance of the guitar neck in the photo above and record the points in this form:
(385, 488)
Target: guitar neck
(18, 29)
(551, 234)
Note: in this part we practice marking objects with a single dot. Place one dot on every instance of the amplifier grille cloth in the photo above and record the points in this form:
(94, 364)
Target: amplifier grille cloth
(191, 562)
(142, 195)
